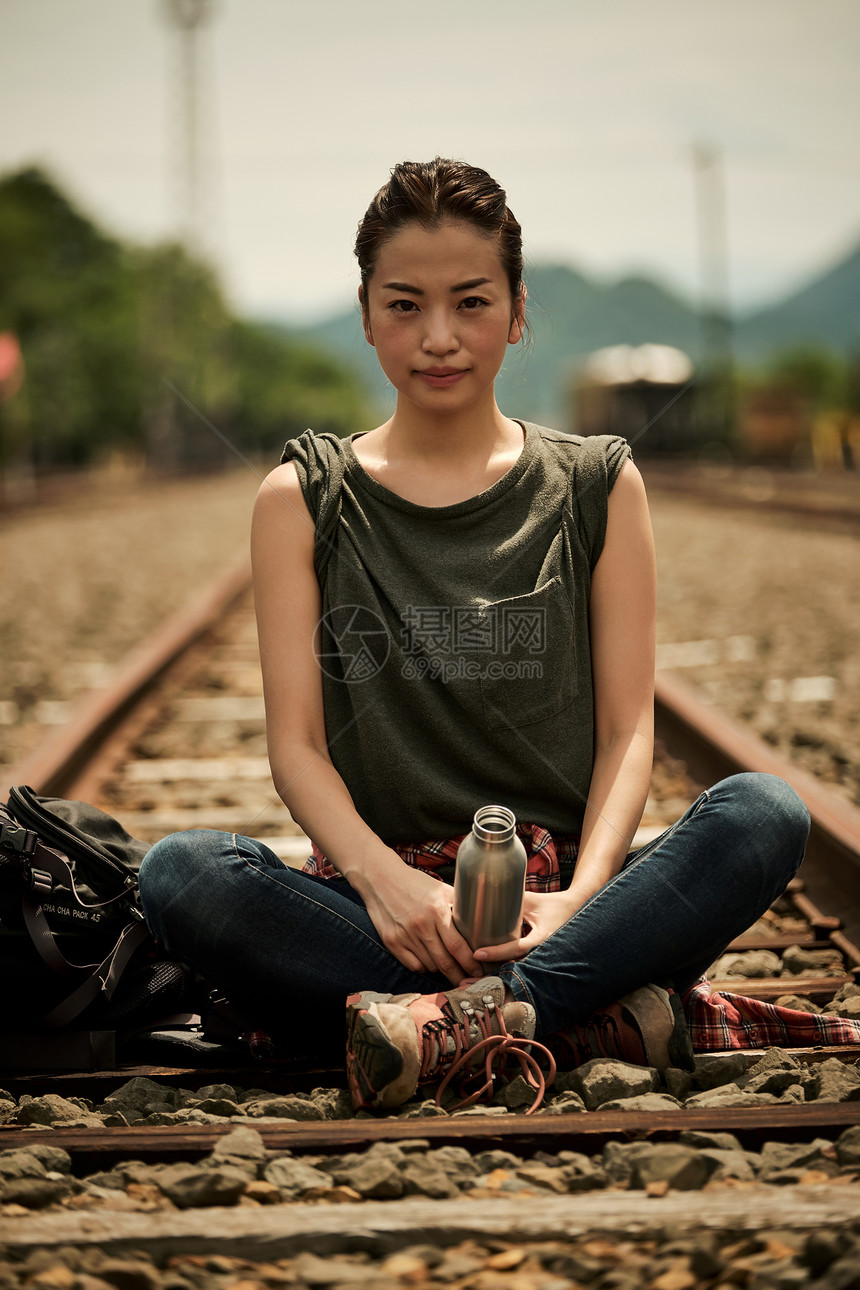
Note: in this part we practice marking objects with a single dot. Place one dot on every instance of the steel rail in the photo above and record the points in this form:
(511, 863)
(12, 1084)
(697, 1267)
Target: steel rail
(714, 745)
(62, 759)
(571, 1130)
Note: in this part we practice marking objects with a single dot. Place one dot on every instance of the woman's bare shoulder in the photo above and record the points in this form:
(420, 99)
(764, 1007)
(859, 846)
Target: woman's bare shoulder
(280, 496)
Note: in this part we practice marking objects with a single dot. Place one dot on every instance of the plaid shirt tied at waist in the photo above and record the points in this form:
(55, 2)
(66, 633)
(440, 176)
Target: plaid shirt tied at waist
(551, 860)
(718, 1021)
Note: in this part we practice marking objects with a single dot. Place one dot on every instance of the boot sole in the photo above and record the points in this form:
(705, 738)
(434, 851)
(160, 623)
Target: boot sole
(372, 1060)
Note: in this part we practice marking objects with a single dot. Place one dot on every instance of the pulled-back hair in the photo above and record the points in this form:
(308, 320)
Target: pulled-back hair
(428, 192)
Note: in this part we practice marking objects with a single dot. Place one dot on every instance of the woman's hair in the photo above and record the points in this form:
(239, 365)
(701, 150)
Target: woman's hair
(428, 192)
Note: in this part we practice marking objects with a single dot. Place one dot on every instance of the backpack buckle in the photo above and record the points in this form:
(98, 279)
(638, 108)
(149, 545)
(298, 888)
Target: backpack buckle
(17, 838)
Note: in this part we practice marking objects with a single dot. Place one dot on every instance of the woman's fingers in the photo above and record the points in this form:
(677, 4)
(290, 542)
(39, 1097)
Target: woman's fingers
(510, 950)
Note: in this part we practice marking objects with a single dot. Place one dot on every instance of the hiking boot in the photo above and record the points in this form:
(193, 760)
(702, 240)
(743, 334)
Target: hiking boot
(397, 1042)
(646, 1028)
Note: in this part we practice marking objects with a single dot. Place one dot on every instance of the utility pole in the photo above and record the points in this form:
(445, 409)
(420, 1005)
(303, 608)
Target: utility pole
(188, 16)
(714, 308)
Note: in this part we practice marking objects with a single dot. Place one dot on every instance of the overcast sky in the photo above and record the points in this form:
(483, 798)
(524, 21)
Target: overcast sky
(585, 112)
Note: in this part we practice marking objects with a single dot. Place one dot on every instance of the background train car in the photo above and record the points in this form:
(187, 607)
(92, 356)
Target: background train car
(643, 392)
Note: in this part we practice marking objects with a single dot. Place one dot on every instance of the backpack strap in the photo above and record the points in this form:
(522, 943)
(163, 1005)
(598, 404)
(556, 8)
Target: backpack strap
(48, 861)
(103, 980)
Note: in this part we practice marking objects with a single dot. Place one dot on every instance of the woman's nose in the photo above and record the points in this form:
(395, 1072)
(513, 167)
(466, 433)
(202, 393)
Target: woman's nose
(440, 336)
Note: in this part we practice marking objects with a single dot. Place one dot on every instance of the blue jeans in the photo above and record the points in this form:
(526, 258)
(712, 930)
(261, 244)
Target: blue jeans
(290, 947)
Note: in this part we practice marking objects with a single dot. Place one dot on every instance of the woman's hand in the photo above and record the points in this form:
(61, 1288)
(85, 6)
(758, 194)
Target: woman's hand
(412, 914)
(544, 912)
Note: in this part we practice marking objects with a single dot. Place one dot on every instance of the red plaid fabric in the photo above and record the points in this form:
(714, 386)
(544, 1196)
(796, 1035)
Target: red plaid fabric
(719, 1021)
(546, 856)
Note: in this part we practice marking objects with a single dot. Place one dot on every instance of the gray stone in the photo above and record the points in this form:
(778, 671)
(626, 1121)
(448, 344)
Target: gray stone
(797, 1001)
(120, 1119)
(774, 1081)
(478, 1110)
(52, 1157)
(729, 1164)
(792, 1155)
(225, 1092)
(53, 1109)
(220, 1107)
(751, 963)
(517, 1094)
(794, 1093)
(420, 1177)
(106, 1179)
(36, 1193)
(618, 1160)
(730, 1095)
(295, 1176)
(7, 1109)
(378, 1179)
(848, 1148)
(700, 1138)
(243, 1142)
(184, 1115)
(679, 1084)
(798, 960)
(290, 1107)
(420, 1110)
(194, 1187)
(486, 1161)
(455, 1164)
(140, 1093)
(834, 1081)
(772, 1059)
(569, 1103)
(605, 1079)
(19, 1162)
(683, 1168)
(643, 1102)
(334, 1103)
(715, 1069)
(543, 1177)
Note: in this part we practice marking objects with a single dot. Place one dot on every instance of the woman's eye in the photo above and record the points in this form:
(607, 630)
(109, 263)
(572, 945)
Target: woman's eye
(403, 306)
(472, 302)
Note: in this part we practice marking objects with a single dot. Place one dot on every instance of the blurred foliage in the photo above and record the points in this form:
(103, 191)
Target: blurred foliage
(104, 325)
(823, 377)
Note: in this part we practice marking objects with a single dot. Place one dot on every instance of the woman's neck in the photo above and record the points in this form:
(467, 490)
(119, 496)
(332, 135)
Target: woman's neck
(439, 461)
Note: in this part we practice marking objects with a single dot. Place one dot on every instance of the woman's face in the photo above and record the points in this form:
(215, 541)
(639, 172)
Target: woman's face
(439, 312)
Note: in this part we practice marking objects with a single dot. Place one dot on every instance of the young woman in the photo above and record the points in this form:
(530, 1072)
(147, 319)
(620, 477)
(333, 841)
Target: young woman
(456, 609)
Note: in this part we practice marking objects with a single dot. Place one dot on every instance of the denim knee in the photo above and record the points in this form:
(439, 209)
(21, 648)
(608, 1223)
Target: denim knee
(170, 866)
(769, 800)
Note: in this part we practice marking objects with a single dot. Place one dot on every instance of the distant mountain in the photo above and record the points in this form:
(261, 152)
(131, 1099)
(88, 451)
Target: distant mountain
(826, 313)
(571, 315)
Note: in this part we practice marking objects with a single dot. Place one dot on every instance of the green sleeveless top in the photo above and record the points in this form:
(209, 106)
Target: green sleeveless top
(454, 643)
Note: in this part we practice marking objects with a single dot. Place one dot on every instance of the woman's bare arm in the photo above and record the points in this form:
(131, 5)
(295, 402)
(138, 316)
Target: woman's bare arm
(410, 910)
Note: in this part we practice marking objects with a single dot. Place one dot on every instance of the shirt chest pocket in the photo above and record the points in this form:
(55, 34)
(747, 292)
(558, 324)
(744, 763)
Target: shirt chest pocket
(532, 674)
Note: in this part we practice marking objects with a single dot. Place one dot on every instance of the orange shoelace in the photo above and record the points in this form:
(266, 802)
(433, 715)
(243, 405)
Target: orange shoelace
(496, 1048)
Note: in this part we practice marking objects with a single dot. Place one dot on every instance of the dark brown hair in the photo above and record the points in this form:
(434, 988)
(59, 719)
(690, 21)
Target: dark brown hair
(428, 192)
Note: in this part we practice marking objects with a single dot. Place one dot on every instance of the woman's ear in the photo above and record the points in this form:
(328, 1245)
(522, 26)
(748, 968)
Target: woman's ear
(518, 318)
(365, 316)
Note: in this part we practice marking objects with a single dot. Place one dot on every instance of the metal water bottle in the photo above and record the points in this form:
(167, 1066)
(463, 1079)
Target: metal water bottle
(490, 879)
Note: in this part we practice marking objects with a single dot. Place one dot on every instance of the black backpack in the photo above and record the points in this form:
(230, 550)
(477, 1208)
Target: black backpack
(80, 967)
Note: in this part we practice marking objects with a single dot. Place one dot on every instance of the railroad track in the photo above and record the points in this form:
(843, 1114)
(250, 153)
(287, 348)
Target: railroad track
(177, 741)
(821, 500)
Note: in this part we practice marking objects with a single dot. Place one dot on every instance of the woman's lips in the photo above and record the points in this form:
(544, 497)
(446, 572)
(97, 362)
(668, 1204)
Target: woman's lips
(439, 378)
